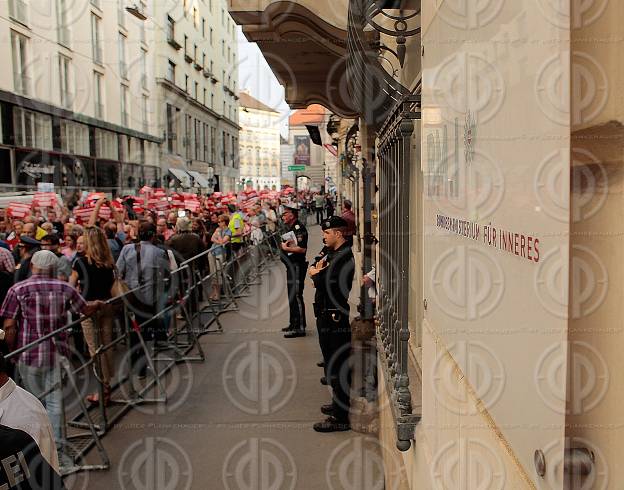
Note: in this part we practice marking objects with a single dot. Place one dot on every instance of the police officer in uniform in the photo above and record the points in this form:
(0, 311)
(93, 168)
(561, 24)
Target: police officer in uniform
(333, 277)
(293, 255)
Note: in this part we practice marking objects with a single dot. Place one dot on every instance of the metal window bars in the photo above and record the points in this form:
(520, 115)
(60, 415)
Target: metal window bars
(190, 317)
(394, 157)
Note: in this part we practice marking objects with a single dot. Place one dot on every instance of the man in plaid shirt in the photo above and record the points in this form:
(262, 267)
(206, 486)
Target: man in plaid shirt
(33, 308)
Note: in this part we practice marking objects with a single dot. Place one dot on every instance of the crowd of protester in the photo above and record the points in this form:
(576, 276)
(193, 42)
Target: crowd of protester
(58, 263)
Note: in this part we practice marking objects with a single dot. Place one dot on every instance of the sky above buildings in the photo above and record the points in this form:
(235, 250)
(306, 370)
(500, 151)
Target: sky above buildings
(255, 76)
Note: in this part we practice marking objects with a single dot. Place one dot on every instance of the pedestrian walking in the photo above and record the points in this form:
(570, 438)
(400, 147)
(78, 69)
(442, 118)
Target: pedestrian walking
(319, 201)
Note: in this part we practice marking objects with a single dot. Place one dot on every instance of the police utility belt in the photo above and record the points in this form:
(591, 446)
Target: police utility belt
(335, 315)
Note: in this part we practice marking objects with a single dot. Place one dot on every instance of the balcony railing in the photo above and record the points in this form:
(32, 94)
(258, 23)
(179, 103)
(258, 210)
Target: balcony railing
(373, 90)
(394, 153)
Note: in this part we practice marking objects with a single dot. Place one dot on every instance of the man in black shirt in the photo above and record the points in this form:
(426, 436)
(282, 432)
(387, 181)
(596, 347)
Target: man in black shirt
(27, 247)
(333, 277)
(293, 255)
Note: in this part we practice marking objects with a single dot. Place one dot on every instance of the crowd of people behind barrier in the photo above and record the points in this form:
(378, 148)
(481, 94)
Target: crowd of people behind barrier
(58, 263)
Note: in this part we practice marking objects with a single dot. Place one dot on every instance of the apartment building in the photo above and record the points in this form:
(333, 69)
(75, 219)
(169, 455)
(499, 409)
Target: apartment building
(259, 143)
(76, 97)
(196, 79)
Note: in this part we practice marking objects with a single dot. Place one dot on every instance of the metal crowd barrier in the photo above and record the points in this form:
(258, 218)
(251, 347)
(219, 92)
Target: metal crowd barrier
(190, 317)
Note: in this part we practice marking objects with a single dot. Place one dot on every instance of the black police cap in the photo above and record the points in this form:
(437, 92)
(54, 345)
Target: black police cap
(333, 222)
(29, 241)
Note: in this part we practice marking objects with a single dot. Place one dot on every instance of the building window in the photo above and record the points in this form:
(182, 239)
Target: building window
(212, 68)
(185, 44)
(222, 17)
(144, 68)
(106, 144)
(196, 90)
(124, 105)
(222, 47)
(195, 17)
(171, 71)
(211, 35)
(204, 60)
(197, 144)
(99, 100)
(123, 67)
(32, 129)
(213, 144)
(205, 93)
(96, 38)
(203, 28)
(21, 81)
(187, 136)
(170, 30)
(62, 29)
(171, 134)
(74, 138)
(18, 10)
(64, 81)
(121, 13)
(212, 101)
(186, 81)
(195, 53)
(206, 136)
(144, 113)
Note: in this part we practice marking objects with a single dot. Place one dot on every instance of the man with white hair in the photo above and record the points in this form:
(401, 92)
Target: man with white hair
(32, 309)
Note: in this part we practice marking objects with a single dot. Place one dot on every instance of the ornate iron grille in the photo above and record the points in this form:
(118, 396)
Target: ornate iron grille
(394, 156)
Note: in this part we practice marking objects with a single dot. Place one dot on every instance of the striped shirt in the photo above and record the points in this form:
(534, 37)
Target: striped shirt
(40, 305)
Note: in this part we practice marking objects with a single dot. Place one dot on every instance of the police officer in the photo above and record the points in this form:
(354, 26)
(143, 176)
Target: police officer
(293, 255)
(333, 277)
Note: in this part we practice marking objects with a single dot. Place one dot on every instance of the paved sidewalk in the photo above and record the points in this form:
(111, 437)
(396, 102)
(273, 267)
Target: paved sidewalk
(243, 419)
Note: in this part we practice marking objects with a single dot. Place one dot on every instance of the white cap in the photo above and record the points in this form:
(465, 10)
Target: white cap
(44, 260)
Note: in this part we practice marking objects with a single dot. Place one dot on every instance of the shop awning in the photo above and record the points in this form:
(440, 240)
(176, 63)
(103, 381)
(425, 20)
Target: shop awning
(199, 179)
(182, 176)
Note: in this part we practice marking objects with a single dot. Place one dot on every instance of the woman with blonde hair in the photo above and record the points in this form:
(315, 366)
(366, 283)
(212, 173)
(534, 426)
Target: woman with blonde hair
(94, 273)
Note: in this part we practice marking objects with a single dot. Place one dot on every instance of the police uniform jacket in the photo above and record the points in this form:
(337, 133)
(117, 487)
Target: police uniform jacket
(301, 234)
(333, 283)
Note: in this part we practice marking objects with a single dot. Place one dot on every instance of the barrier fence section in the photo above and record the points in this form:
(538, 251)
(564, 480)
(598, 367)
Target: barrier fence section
(183, 316)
